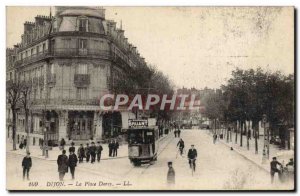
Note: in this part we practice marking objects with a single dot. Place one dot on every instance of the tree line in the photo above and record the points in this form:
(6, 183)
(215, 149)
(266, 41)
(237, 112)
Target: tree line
(248, 96)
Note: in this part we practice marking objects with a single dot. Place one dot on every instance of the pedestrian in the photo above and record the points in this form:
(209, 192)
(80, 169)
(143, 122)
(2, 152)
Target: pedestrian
(98, 151)
(192, 156)
(25, 143)
(87, 152)
(274, 163)
(63, 164)
(93, 152)
(72, 148)
(110, 147)
(181, 145)
(72, 163)
(171, 174)
(175, 133)
(26, 164)
(81, 153)
(178, 132)
(215, 136)
(115, 149)
(62, 144)
(249, 134)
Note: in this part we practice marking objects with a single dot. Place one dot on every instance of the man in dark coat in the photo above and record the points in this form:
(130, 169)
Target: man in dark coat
(72, 148)
(178, 133)
(98, 151)
(63, 164)
(62, 143)
(81, 153)
(115, 149)
(87, 152)
(274, 168)
(72, 163)
(110, 147)
(26, 164)
(175, 133)
(192, 155)
(171, 174)
(93, 152)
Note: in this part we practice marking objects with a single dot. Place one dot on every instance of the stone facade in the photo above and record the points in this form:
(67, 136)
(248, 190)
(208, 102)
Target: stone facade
(70, 60)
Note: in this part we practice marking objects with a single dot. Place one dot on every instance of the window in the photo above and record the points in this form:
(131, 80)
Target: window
(81, 69)
(50, 92)
(37, 49)
(83, 24)
(82, 44)
(44, 47)
(81, 93)
(82, 47)
(66, 43)
(32, 52)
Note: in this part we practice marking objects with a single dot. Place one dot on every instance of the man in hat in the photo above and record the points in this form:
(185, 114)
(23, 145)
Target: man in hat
(274, 163)
(115, 149)
(72, 163)
(171, 174)
(72, 148)
(63, 164)
(98, 151)
(87, 152)
(192, 155)
(26, 164)
(81, 153)
(93, 152)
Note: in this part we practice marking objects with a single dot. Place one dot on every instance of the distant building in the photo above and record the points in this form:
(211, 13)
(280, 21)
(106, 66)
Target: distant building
(70, 60)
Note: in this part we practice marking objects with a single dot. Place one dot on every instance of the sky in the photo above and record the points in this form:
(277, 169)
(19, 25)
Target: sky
(196, 46)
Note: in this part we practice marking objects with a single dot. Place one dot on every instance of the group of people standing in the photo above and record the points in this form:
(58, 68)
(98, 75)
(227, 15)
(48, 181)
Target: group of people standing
(90, 152)
(113, 147)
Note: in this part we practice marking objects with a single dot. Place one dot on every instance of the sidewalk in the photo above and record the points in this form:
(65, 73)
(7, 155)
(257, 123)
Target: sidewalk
(283, 156)
(36, 152)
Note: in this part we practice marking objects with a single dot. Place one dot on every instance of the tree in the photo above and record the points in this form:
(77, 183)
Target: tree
(13, 92)
(26, 103)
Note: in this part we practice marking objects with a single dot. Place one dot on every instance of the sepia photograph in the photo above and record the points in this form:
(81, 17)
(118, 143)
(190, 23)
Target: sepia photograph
(163, 98)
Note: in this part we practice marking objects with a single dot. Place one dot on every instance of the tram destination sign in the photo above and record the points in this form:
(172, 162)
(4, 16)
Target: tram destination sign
(133, 123)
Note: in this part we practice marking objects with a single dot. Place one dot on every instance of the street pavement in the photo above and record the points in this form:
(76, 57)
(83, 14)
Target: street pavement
(217, 168)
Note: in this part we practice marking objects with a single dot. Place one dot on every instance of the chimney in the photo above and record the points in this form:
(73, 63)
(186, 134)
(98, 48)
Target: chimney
(28, 26)
(39, 20)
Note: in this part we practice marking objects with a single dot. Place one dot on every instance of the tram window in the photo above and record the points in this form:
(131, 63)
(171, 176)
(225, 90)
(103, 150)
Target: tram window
(136, 138)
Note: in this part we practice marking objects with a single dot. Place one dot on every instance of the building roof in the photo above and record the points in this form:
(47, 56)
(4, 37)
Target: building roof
(83, 12)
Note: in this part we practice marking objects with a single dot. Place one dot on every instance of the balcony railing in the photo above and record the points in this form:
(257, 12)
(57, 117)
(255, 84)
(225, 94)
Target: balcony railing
(33, 58)
(81, 80)
(65, 52)
(70, 52)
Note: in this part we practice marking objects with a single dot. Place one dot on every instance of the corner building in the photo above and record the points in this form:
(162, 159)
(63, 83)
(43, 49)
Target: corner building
(71, 59)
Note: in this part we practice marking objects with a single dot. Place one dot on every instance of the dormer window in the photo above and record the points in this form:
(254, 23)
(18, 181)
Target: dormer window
(83, 24)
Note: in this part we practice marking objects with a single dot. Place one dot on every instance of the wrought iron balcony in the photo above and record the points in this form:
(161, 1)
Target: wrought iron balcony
(82, 80)
(33, 58)
(80, 52)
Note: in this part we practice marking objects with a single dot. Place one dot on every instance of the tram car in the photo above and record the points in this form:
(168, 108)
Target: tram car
(142, 142)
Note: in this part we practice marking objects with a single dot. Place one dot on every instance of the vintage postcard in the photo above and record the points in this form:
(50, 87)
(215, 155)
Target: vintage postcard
(150, 98)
